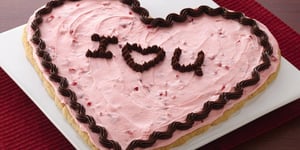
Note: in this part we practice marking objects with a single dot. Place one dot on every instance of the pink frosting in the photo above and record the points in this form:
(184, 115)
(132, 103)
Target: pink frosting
(131, 105)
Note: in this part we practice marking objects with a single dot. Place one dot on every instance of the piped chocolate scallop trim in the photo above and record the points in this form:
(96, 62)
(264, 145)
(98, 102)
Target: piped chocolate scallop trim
(191, 118)
(224, 97)
(62, 81)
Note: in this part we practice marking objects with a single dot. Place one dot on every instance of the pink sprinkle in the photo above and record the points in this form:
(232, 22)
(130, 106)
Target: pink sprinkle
(174, 97)
(165, 108)
(130, 13)
(77, 5)
(227, 67)
(212, 57)
(219, 65)
(166, 93)
(72, 70)
(250, 36)
(74, 41)
(177, 76)
(273, 58)
(129, 132)
(89, 104)
(223, 87)
(146, 87)
(49, 19)
(161, 94)
(106, 3)
(149, 26)
(220, 31)
(74, 83)
(71, 31)
(120, 46)
(101, 114)
(80, 96)
(191, 20)
(124, 26)
(136, 88)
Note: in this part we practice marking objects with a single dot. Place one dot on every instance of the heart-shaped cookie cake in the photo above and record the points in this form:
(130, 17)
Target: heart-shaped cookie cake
(126, 80)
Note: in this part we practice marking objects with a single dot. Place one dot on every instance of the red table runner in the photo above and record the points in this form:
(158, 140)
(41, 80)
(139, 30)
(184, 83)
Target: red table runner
(23, 125)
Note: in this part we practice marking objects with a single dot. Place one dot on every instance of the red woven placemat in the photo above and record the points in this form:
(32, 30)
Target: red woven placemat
(23, 125)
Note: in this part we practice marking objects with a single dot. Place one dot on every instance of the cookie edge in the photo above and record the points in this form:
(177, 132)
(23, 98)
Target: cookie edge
(50, 90)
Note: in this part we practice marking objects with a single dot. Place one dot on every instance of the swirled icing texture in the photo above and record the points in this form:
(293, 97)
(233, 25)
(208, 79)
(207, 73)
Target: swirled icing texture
(129, 104)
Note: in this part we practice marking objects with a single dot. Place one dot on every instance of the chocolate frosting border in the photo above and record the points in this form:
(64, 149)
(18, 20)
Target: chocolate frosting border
(191, 118)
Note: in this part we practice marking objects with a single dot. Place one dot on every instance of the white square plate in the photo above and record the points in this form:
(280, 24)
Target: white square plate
(282, 91)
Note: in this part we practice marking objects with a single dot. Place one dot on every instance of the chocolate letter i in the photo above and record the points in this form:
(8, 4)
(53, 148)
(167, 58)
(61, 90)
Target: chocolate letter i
(102, 52)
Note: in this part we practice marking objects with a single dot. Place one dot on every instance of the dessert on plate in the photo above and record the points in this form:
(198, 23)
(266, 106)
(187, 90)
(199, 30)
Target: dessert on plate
(125, 80)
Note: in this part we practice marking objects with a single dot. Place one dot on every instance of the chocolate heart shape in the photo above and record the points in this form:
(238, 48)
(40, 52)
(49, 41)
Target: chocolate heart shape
(169, 104)
(128, 48)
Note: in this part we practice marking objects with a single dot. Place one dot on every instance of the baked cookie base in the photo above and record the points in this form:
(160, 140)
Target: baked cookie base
(29, 54)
